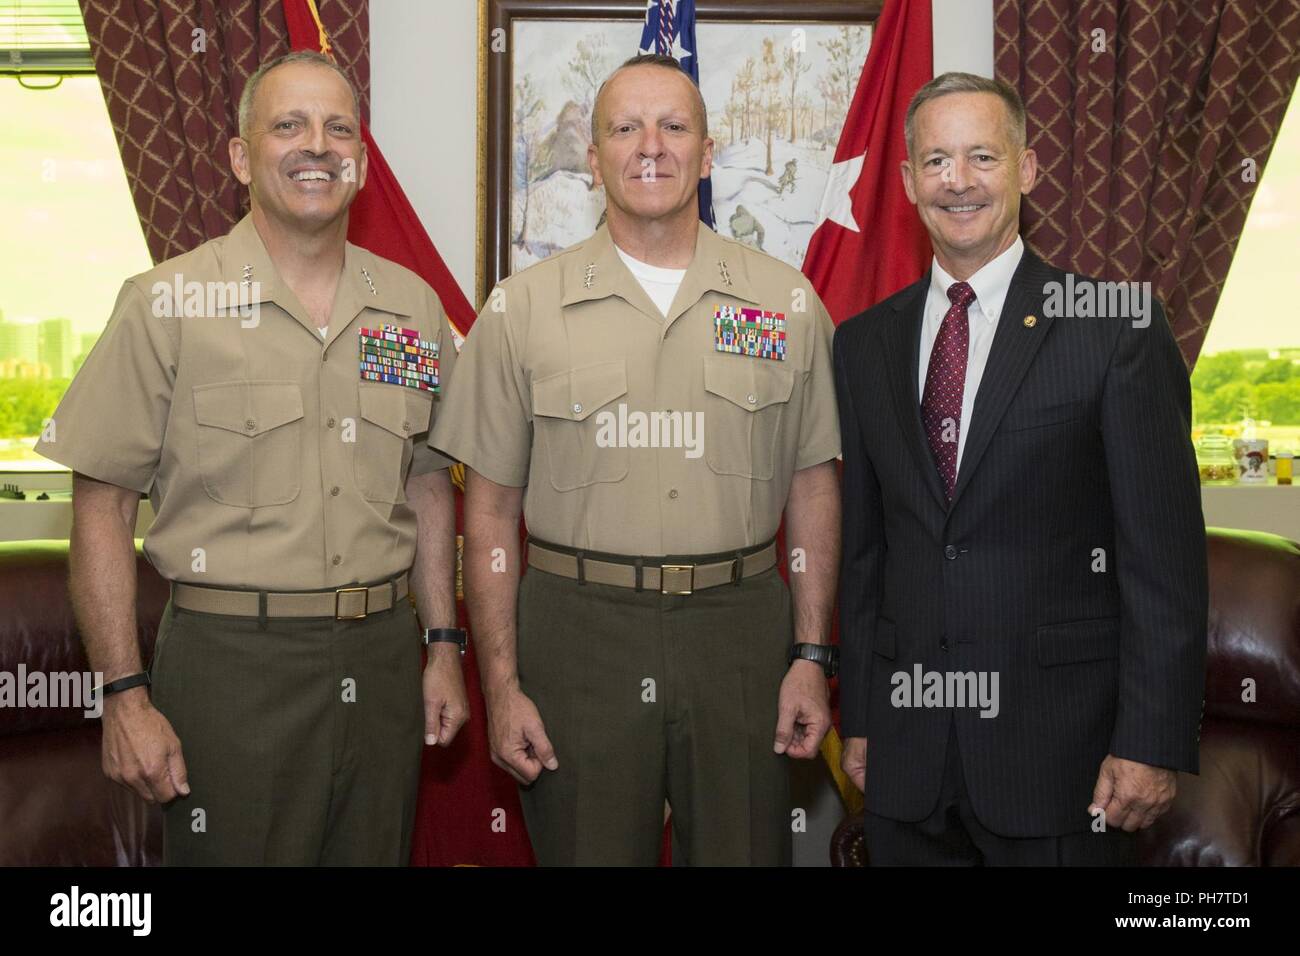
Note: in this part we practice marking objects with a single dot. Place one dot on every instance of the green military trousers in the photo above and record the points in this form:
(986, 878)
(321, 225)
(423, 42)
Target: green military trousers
(648, 697)
(302, 738)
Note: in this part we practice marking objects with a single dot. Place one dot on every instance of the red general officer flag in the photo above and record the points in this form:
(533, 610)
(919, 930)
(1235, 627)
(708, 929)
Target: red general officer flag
(869, 241)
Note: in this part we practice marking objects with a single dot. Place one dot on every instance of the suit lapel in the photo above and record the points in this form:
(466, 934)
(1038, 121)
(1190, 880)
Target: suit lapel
(904, 343)
(1012, 352)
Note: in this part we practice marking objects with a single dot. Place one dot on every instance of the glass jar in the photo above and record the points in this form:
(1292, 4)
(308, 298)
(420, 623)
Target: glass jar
(1214, 460)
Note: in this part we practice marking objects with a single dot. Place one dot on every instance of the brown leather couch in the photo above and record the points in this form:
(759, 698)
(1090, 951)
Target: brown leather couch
(57, 806)
(1244, 807)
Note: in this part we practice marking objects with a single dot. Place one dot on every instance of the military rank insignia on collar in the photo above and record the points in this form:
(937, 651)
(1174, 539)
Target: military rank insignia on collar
(755, 332)
(400, 357)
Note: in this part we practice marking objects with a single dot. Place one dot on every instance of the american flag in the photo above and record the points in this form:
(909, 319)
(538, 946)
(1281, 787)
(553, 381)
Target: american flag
(670, 29)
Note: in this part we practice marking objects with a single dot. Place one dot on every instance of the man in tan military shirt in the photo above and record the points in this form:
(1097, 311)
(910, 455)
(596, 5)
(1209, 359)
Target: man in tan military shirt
(654, 399)
(267, 390)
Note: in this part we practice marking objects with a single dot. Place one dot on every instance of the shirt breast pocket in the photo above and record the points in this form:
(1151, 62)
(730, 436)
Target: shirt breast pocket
(249, 439)
(746, 401)
(566, 424)
(390, 416)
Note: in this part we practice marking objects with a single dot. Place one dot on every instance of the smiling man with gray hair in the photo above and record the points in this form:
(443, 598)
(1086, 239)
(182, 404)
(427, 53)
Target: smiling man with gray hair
(1021, 511)
(279, 433)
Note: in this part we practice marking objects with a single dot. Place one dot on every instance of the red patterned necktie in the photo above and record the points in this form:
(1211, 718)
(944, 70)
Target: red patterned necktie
(945, 381)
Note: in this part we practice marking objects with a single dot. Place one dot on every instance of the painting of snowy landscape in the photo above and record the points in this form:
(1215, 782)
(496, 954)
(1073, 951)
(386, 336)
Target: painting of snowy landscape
(776, 94)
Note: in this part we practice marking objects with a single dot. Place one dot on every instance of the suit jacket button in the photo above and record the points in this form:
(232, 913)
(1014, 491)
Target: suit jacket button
(950, 552)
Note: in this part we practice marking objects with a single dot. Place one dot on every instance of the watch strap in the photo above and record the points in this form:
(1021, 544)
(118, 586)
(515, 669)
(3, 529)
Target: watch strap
(446, 635)
(125, 683)
(827, 655)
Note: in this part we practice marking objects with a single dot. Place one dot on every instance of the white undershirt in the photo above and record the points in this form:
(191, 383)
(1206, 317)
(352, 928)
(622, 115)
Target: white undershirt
(990, 285)
(660, 284)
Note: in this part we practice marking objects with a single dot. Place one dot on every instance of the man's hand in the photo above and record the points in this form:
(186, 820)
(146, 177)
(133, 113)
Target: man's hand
(446, 708)
(516, 736)
(853, 761)
(141, 751)
(1134, 795)
(803, 711)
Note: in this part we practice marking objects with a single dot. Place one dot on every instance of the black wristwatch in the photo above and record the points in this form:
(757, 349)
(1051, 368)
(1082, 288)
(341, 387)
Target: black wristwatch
(448, 635)
(827, 655)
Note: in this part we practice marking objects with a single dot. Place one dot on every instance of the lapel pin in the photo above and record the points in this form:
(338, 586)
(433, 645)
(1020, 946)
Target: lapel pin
(369, 282)
(248, 275)
(590, 275)
(722, 271)
(1031, 321)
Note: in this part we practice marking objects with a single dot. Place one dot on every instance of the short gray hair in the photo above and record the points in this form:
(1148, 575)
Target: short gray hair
(297, 56)
(651, 59)
(946, 83)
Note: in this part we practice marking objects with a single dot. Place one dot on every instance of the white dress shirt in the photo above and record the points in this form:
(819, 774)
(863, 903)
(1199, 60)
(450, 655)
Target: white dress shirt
(990, 285)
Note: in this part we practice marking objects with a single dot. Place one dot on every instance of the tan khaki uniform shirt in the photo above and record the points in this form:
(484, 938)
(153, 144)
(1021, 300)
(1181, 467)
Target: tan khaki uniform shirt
(567, 351)
(269, 461)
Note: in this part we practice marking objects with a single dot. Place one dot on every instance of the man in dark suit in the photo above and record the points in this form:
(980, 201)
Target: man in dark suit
(1023, 588)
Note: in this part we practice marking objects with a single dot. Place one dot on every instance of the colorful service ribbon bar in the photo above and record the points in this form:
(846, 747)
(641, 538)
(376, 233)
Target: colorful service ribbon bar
(399, 356)
(755, 332)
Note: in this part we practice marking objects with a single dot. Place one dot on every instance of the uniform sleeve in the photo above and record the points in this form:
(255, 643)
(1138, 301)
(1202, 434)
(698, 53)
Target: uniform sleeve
(486, 416)
(424, 458)
(819, 423)
(111, 421)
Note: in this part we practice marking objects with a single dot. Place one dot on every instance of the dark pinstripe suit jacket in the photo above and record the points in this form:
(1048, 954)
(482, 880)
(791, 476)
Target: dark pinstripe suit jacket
(1071, 560)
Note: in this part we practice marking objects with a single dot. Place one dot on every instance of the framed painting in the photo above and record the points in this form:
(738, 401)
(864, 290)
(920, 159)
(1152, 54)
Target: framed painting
(777, 78)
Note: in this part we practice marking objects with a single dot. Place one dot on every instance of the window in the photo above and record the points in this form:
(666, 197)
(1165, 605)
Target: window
(43, 38)
(1249, 368)
(71, 233)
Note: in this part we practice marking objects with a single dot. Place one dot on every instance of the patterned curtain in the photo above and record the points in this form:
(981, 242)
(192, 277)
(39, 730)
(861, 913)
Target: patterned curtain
(173, 97)
(1146, 146)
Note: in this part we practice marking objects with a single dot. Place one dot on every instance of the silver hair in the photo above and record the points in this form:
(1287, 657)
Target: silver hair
(946, 83)
(297, 56)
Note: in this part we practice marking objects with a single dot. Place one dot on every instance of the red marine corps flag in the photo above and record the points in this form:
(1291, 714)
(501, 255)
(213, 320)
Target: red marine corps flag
(469, 810)
(869, 241)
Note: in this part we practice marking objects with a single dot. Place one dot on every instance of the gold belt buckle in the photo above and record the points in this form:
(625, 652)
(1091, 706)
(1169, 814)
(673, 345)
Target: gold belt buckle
(365, 604)
(667, 569)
